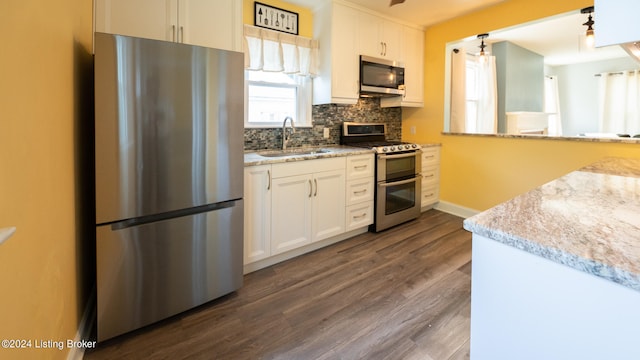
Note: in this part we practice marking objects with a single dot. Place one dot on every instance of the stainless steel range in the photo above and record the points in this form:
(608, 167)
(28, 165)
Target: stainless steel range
(398, 179)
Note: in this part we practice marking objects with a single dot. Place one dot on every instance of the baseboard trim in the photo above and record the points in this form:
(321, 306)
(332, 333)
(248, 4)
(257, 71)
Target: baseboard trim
(84, 328)
(455, 209)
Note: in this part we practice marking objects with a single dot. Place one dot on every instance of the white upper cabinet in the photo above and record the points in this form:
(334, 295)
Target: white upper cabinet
(379, 37)
(412, 55)
(345, 32)
(141, 18)
(216, 24)
(616, 21)
(335, 29)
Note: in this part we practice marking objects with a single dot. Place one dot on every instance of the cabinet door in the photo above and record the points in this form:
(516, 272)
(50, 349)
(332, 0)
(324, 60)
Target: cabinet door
(328, 204)
(412, 55)
(413, 58)
(257, 213)
(379, 37)
(150, 19)
(291, 212)
(391, 37)
(369, 34)
(345, 60)
(215, 24)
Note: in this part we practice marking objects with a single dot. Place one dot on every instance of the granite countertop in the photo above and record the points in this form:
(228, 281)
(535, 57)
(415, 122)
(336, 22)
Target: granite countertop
(252, 158)
(588, 219)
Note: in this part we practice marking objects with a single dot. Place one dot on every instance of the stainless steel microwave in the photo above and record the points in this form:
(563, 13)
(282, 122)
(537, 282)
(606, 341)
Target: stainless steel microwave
(381, 77)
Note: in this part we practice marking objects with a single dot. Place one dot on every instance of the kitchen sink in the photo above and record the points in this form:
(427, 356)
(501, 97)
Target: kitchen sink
(296, 152)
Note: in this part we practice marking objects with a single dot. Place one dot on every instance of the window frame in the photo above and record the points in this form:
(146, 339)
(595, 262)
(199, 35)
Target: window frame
(302, 86)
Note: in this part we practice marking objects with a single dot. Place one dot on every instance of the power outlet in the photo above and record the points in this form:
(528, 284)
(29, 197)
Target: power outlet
(412, 130)
(326, 133)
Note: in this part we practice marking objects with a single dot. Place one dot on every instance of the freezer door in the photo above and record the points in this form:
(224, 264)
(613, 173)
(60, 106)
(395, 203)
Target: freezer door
(149, 272)
(168, 126)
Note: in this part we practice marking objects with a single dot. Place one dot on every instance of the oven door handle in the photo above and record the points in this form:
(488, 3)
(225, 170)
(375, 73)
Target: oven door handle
(402, 182)
(398, 156)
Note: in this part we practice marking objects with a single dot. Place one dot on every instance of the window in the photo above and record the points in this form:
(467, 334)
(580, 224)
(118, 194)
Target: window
(272, 96)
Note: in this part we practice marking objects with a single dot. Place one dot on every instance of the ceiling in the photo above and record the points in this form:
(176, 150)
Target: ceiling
(418, 12)
(560, 39)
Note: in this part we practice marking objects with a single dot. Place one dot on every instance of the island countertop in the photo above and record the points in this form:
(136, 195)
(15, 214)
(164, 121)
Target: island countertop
(588, 219)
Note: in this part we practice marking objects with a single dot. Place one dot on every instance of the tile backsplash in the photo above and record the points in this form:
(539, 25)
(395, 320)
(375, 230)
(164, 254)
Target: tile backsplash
(328, 116)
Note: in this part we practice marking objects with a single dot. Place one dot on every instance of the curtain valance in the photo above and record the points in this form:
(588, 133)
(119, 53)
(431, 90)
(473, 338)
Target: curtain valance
(269, 50)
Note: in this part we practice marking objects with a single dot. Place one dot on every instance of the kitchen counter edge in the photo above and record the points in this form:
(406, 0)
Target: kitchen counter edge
(253, 158)
(586, 219)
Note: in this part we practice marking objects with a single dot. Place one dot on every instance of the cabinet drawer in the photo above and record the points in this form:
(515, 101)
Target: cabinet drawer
(359, 190)
(359, 215)
(359, 166)
(430, 196)
(430, 156)
(430, 176)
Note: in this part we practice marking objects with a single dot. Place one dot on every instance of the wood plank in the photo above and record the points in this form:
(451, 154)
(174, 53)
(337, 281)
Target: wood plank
(400, 294)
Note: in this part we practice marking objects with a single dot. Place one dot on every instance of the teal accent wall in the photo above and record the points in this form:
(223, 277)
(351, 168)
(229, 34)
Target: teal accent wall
(520, 80)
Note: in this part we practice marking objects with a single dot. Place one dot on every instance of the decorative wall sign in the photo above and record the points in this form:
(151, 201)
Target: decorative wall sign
(274, 18)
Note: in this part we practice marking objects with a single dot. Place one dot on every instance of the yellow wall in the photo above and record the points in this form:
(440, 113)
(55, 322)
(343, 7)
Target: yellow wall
(305, 16)
(43, 51)
(480, 172)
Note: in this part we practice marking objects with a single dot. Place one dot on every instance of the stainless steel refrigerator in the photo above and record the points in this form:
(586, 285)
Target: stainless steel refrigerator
(169, 178)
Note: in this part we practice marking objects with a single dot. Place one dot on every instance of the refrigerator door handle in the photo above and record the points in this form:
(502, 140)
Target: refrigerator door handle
(119, 225)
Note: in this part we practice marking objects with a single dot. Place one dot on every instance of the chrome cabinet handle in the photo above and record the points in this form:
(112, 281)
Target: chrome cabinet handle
(182, 34)
(315, 181)
(173, 33)
(310, 188)
(360, 167)
(360, 192)
(359, 216)
(268, 179)
(381, 48)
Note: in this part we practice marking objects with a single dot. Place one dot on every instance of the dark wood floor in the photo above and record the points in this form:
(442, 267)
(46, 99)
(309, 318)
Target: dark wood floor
(400, 294)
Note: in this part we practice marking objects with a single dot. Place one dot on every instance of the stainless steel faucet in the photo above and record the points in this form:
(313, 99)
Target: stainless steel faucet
(285, 138)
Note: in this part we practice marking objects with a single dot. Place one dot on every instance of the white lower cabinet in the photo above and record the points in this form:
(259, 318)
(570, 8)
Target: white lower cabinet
(257, 213)
(360, 188)
(430, 194)
(291, 213)
(294, 205)
(328, 209)
(306, 208)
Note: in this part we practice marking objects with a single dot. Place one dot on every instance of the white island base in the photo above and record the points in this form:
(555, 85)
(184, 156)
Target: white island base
(524, 306)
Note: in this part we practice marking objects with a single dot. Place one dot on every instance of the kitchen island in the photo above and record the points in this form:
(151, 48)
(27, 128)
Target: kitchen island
(556, 271)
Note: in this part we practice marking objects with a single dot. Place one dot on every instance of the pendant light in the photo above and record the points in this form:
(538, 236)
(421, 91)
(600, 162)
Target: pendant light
(482, 55)
(590, 35)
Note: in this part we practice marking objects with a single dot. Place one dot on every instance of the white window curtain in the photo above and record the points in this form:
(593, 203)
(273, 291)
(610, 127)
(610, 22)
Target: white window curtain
(619, 99)
(478, 89)
(269, 50)
(458, 92)
(487, 121)
(552, 105)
